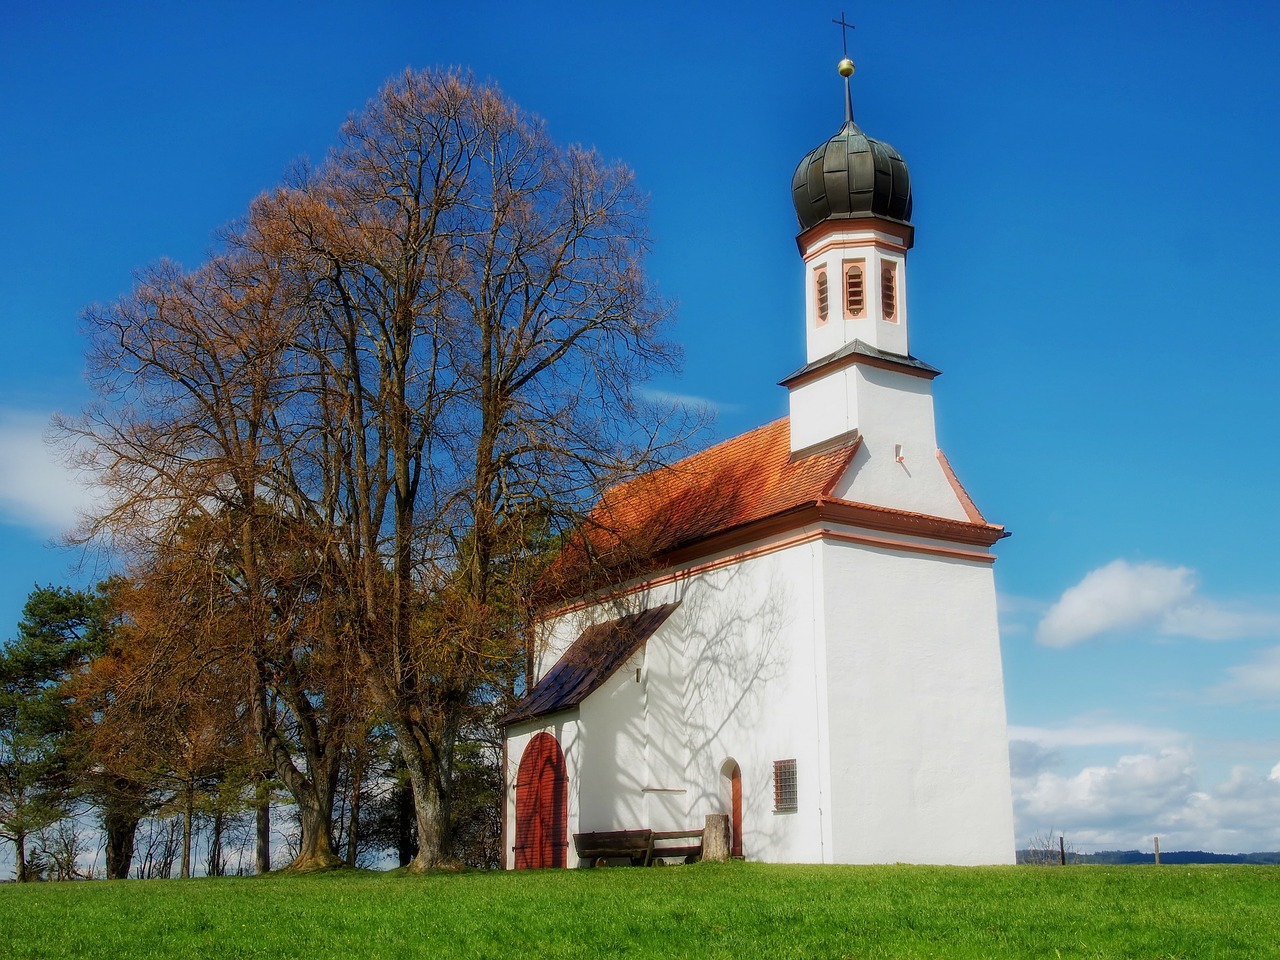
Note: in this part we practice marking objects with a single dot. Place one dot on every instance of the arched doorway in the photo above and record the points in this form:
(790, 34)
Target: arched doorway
(542, 805)
(732, 775)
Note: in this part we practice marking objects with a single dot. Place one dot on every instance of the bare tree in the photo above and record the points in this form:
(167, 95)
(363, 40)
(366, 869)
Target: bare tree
(196, 372)
(381, 406)
(482, 327)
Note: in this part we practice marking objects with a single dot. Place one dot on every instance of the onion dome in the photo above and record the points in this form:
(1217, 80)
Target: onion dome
(851, 176)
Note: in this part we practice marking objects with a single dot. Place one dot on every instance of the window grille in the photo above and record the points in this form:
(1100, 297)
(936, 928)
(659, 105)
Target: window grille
(822, 296)
(888, 291)
(854, 291)
(784, 786)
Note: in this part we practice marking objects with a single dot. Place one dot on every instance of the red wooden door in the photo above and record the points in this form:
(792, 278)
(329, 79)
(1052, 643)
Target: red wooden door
(735, 794)
(542, 805)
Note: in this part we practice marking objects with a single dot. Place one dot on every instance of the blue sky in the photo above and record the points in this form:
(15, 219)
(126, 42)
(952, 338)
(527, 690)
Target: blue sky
(1096, 211)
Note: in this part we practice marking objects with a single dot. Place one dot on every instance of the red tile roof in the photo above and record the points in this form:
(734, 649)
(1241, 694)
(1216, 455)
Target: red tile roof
(739, 481)
(735, 483)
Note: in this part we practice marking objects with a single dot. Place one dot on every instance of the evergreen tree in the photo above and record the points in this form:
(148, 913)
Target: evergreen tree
(60, 631)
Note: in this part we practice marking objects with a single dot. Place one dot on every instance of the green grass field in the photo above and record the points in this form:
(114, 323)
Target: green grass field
(708, 910)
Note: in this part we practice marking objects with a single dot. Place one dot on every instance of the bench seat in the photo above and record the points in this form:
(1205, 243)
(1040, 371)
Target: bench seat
(640, 847)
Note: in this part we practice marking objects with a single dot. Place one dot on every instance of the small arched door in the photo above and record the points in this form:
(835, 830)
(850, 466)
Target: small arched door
(733, 774)
(542, 805)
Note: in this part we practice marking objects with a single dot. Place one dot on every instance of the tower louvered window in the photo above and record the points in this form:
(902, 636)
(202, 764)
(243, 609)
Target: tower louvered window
(889, 291)
(855, 293)
(822, 296)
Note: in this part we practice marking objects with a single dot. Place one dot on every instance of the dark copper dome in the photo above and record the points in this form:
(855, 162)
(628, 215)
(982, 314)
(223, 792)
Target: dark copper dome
(851, 176)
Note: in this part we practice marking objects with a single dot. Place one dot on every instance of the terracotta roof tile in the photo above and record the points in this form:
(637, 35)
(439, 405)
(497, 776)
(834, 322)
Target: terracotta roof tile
(591, 660)
(739, 481)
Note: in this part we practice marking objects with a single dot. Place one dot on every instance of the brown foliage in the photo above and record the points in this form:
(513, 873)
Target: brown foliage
(371, 416)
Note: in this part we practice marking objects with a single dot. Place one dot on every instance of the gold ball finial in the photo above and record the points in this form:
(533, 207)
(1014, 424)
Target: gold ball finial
(845, 67)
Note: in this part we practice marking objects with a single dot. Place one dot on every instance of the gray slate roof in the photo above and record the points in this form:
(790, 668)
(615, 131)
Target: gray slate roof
(591, 660)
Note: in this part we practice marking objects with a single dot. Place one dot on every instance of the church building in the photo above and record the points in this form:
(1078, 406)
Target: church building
(812, 647)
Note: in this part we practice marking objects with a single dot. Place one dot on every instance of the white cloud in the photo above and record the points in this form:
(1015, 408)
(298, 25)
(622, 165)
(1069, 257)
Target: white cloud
(37, 491)
(1113, 597)
(1123, 595)
(1027, 758)
(1123, 805)
(1257, 680)
(688, 400)
(1017, 613)
(1207, 620)
(1090, 733)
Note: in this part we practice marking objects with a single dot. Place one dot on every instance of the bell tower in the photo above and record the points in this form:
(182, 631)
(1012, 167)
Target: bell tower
(852, 197)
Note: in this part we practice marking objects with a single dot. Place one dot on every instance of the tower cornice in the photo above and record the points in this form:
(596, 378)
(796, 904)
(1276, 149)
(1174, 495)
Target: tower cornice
(895, 234)
(857, 352)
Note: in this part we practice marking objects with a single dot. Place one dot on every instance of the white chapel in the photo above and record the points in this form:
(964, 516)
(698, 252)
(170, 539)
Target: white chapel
(811, 647)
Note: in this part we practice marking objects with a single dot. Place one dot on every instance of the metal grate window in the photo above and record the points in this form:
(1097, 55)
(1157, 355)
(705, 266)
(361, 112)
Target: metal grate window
(784, 786)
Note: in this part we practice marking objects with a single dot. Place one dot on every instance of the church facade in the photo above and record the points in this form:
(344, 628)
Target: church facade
(813, 648)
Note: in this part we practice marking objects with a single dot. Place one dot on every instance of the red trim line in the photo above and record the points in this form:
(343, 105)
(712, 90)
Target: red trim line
(903, 233)
(970, 508)
(840, 511)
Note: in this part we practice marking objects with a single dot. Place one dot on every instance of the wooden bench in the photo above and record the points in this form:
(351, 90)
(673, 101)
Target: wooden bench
(689, 852)
(634, 845)
(640, 847)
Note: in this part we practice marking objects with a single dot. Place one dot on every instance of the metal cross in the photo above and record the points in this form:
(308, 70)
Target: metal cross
(844, 32)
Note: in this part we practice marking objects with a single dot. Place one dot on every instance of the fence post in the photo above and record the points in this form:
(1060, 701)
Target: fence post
(1157, 851)
(1062, 850)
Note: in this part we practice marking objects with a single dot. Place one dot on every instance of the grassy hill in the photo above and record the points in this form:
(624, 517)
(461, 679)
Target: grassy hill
(708, 910)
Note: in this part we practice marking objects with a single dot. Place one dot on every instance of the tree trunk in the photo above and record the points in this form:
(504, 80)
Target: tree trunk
(406, 843)
(353, 826)
(715, 838)
(431, 778)
(315, 849)
(428, 813)
(20, 845)
(122, 828)
(313, 795)
(187, 817)
(215, 845)
(262, 816)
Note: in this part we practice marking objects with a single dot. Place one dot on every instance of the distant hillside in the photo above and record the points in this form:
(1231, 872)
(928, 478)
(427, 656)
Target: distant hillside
(1137, 856)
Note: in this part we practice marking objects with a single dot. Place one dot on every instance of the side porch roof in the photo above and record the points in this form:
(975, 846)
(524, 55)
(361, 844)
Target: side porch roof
(590, 660)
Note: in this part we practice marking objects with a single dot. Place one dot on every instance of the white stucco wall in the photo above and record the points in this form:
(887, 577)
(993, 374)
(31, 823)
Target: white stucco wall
(732, 675)
(893, 414)
(920, 764)
(747, 692)
(877, 670)
(872, 248)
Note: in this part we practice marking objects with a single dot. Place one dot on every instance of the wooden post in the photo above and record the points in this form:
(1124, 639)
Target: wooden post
(715, 838)
(1062, 850)
(1157, 851)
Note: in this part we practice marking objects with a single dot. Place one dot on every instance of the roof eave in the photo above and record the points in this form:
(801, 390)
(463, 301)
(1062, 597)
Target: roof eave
(857, 352)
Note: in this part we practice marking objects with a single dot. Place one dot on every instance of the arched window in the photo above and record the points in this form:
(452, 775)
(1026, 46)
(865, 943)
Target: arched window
(889, 291)
(855, 291)
(822, 296)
